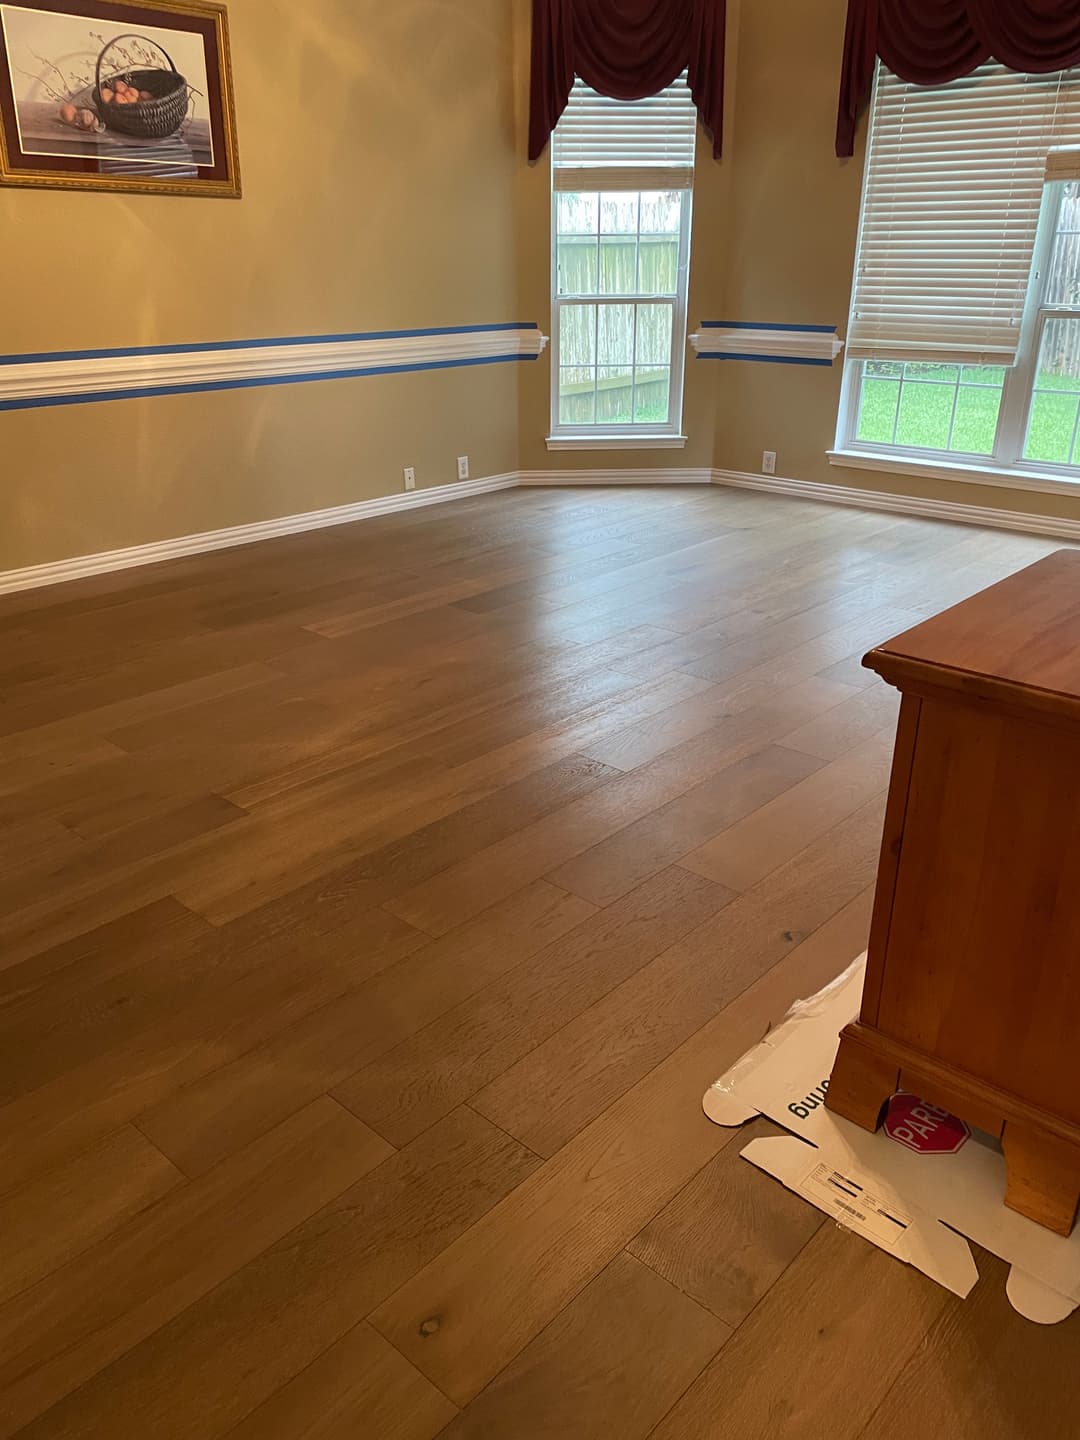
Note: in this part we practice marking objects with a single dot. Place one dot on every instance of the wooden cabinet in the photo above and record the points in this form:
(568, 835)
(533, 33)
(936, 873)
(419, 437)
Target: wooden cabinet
(972, 995)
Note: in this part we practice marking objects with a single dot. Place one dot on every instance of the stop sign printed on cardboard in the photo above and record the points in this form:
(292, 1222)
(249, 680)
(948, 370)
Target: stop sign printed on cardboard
(923, 1127)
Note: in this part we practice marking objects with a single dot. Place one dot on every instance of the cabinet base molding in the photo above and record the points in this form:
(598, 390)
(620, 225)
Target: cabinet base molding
(1042, 1151)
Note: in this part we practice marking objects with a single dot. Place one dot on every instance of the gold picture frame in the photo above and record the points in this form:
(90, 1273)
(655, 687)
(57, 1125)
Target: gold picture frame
(129, 96)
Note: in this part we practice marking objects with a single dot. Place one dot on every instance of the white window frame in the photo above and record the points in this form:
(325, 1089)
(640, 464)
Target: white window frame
(625, 436)
(1006, 465)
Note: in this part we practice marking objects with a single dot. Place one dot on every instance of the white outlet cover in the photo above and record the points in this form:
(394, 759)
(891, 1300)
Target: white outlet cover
(463, 467)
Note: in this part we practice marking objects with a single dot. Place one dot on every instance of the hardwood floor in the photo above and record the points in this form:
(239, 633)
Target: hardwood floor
(375, 907)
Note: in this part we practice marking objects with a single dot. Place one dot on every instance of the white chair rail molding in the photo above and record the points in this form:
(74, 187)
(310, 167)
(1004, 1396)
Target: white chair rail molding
(782, 344)
(77, 376)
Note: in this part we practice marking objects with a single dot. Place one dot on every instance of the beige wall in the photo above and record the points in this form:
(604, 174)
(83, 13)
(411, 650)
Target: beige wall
(794, 219)
(377, 149)
(386, 186)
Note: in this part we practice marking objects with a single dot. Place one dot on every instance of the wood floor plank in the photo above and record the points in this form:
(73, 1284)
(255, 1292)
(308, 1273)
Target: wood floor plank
(258, 872)
(984, 1372)
(228, 1353)
(157, 666)
(850, 671)
(57, 1335)
(561, 686)
(649, 845)
(467, 887)
(76, 965)
(54, 1218)
(816, 1357)
(753, 633)
(201, 1009)
(831, 630)
(361, 1386)
(47, 764)
(544, 739)
(561, 1085)
(407, 1089)
(752, 848)
(586, 1377)
(856, 720)
(234, 1103)
(167, 700)
(728, 1237)
(36, 841)
(743, 667)
(535, 1251)
(646, 740)
(433, 711)
(201, 1002)
(131, 845)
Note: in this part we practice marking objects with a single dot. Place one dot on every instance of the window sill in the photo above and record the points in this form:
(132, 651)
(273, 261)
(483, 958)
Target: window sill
(616, 442)
(968, 473)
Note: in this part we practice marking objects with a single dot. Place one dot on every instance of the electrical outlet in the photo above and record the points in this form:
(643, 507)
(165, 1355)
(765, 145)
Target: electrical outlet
(462, 467)
(410, 478)
(768, 462)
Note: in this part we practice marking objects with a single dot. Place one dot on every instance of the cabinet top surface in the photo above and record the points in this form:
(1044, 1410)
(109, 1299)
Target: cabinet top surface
(1024, 632)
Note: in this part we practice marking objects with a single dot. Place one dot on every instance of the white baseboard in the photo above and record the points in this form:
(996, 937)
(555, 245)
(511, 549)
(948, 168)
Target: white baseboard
(81, 566)
(702, 476)
(78, 568)
(1023, 521)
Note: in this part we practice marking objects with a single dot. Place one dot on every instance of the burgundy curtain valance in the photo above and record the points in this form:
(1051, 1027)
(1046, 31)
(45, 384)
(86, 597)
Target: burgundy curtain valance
(628, 50)
(929, 42)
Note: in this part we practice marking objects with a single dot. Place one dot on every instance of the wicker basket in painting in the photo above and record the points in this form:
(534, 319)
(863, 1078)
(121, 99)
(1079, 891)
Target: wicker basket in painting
(150, 119)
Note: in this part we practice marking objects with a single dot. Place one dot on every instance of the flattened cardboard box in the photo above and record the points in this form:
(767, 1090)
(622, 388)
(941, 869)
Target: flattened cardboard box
(917, 1192)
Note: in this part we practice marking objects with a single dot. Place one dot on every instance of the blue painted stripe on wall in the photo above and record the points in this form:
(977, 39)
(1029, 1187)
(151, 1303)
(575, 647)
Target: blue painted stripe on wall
(253, 382)
(765, 325)
(770, 359)
(50, 356)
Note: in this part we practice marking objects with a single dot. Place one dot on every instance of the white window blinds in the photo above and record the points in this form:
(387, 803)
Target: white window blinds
(602, 144)
(954, 185)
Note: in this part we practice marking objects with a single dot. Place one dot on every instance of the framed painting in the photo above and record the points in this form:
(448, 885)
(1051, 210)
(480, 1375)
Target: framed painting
(131, 95)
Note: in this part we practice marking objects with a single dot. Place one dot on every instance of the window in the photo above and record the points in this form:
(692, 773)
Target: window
(622, 177)
(964, 337)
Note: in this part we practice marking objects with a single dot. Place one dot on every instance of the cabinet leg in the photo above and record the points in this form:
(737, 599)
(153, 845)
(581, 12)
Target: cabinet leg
(861, 1082)
(1043, 1176)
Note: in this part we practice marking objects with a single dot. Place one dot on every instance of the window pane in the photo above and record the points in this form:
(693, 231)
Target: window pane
(578, 214)
(931, 406)
(615, 395)
(1053, 423)
(618, 267)
(975, 422)
(615, 342)
(927, 370)
(577, 395)
(983, 375)
(877, 410)
(654, 324)
(652, 395)
(1063, 286)
(619, 213)
(616, 360)
(659, 267)
(1059, 361)
(577, 335)
(577, 266)
(1050, 431)
(925, 415)
(661, 212)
